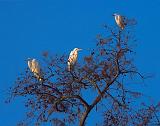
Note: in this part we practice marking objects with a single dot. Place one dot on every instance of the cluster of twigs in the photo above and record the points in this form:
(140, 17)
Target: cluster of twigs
(61, 97)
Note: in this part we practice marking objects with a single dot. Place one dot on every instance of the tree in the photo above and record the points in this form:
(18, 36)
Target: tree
(98, 83)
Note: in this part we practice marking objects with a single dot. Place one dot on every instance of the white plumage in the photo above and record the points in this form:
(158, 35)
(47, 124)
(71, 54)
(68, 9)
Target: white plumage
(73, 58)
(119, 20)
(35, 68)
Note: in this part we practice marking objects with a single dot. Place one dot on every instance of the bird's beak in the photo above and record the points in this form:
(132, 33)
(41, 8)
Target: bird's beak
(79, 49)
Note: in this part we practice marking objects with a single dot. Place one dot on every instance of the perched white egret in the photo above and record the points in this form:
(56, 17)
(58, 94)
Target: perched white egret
(119, 20)
(35, 68)
(73, 58)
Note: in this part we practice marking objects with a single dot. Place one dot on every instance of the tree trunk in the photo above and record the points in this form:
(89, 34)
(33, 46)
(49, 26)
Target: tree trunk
(84, 116)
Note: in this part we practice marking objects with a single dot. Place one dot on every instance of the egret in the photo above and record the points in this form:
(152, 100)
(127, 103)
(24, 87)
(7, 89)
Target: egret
(35, 68)
(73, 58)
(120, 20)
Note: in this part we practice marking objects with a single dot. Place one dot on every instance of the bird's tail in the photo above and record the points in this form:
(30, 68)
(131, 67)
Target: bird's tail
(69, 67)
(39, 77)
(122, 27)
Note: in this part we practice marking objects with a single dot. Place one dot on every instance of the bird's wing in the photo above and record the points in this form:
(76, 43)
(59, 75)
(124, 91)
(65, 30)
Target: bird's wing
(73, 57)
(70, 59)
(30, 65)
(36, 67)
(121, 22)
(69, 66)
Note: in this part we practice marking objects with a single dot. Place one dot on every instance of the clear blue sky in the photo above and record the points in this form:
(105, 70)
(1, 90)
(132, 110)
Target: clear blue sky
(28, 27)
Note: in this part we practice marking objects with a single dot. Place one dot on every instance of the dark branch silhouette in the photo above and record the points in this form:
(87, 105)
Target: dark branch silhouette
(104, 74)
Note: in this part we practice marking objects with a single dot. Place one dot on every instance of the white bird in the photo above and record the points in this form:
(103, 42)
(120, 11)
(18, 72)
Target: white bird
(35, 68)
(119, 20)
(73, 58)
